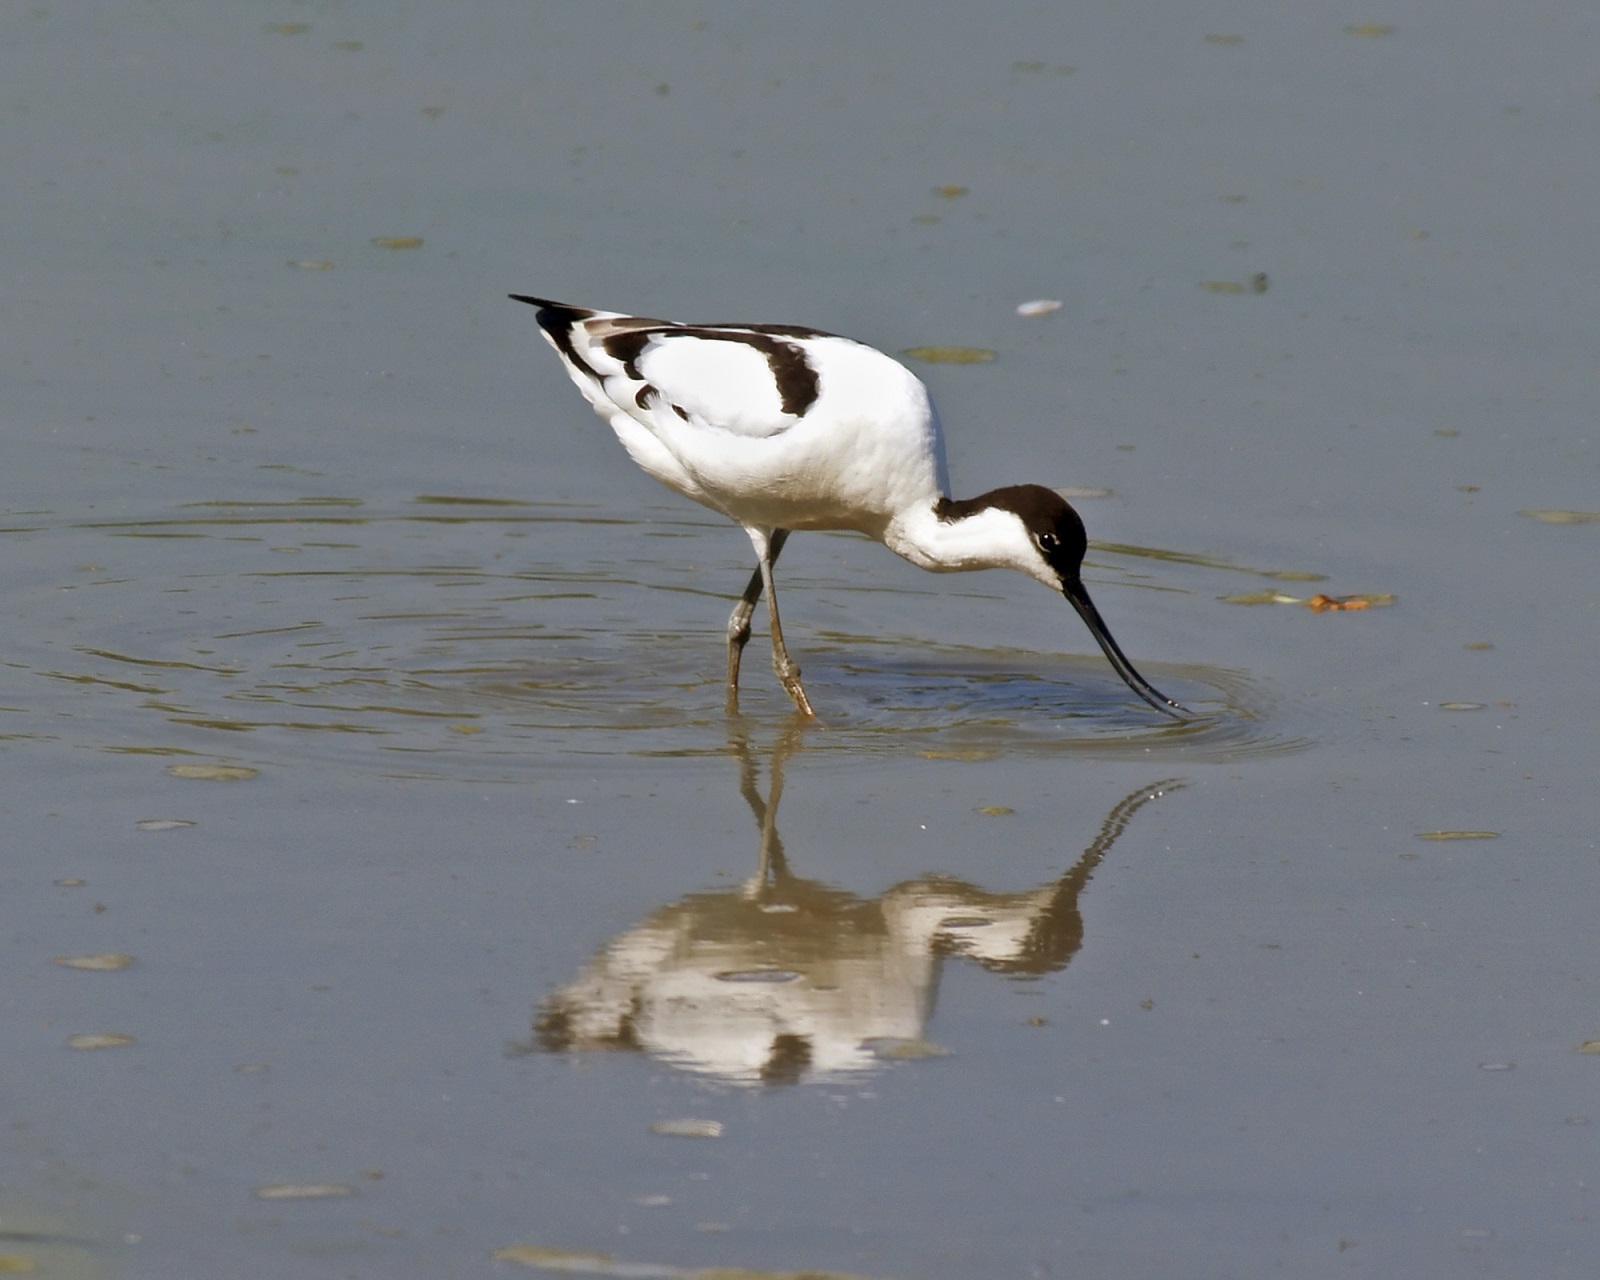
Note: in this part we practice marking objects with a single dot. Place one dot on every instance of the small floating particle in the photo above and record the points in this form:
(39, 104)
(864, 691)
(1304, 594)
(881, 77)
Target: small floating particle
(580, 1262)
(1370, 29)
(1479, 645)
(1260, 282)
(653, 1202)
(100, 1040)
(1589, 1046)
(17, 1263)
(304, 1191)
(996, 810)
(533, 1255)
(1036, 1021)
(687, 1128)
(903, 1049)
(1039, 307)
(951, 355)
(1497, 1066)
(466, 728)
(397, 242)
(105, 962)
(1461, 706)
(1563, 517)
(287, 28)
(1331, 604)
(1262, 597)
(311, 264)
(163, 824)
(1458, 835)
(213, 772)
(951, 190)
(1222, 286)
(70, 882)
(433, 113)
(1334, 604)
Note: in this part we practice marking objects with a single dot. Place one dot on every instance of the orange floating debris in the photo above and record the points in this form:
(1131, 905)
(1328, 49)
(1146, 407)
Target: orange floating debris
(1327, 604)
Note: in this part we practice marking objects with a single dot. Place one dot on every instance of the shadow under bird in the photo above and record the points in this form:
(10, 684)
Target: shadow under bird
(781, 428)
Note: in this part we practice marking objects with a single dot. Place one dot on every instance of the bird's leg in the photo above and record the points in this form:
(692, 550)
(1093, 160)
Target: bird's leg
(782, 663)
(739, 629)
(739, 619)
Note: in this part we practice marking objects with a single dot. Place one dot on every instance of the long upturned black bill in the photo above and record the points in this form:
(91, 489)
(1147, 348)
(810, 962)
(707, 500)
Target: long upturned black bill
(1080, 601)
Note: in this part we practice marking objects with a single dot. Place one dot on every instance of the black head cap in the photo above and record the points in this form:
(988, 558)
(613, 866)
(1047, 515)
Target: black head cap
(1058, 533)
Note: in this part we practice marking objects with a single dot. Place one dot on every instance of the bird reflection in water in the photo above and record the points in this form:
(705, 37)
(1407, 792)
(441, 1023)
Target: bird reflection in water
(783, 979)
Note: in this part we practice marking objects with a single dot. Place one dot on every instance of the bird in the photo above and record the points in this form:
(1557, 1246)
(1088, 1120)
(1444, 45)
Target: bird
(782, 428)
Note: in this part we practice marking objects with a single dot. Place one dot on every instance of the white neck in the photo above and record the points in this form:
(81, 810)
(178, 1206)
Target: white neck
(990, 538)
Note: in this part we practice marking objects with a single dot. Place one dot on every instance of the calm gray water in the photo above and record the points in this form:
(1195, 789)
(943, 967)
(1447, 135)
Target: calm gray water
(364, 747)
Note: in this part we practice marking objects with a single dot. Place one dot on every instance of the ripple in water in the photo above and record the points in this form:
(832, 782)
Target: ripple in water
(392, 643)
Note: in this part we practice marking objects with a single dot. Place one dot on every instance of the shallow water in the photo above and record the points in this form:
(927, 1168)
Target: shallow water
(304, 621)
(364, 742)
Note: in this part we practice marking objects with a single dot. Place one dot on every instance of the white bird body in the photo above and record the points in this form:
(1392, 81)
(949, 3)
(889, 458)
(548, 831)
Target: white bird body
(706, 418)
(781, 428)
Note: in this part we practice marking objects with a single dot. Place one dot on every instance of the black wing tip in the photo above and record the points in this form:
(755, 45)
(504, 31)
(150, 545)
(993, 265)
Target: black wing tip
(551, 311)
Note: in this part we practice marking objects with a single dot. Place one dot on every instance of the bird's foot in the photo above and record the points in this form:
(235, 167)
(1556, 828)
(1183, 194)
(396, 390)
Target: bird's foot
(735, 652)
(789, 674)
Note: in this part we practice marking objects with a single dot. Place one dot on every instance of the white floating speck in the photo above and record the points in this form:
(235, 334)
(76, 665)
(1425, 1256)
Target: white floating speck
(106, 962)
(1039, 307)
(903, 1049)
(100, 1040)
(213, 772)
(687, 1128)
(303, 1191)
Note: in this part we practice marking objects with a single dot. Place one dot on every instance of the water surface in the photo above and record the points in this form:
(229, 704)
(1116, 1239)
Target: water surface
(362, 716)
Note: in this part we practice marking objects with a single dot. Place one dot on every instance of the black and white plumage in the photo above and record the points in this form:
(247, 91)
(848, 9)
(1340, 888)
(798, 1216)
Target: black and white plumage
(783, 428)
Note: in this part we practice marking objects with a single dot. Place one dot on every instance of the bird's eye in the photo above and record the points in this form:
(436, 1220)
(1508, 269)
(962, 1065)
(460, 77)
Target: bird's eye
(1048, 542)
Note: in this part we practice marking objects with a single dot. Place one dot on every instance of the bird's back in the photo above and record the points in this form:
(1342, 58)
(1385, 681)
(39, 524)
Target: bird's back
(774, 425)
